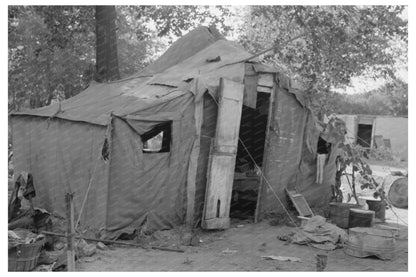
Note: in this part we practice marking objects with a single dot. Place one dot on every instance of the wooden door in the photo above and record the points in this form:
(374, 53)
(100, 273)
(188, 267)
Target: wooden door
(221, 164)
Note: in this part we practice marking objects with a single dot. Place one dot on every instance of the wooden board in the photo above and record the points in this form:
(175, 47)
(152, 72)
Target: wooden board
(262, 68)
(222, 157)
(266, 152)
(250, 91)
(300, 203)
(266, 80)
(366, 119)
(218, 189)
(229, 115)
(193, 166)
(264, 89)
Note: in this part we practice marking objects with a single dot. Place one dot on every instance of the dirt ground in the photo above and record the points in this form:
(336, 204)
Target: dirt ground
(241, 248)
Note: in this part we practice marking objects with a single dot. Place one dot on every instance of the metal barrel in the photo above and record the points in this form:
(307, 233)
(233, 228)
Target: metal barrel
(396, 189)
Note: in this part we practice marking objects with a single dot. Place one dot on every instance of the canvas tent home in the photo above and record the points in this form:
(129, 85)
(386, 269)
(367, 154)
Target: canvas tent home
(162, 147)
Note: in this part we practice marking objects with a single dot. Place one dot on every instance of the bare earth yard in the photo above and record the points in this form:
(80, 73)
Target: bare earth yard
(251, 242)
(241, 248)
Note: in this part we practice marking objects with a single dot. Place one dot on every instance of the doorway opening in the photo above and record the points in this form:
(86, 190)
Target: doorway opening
(249, 159)
(364, 135)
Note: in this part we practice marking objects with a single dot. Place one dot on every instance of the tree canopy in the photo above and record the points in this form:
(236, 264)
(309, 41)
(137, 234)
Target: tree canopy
(52, 48)
(390, 99)
(325, 46)
(49, 54)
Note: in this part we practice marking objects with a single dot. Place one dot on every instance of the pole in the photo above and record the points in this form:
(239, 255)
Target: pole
(70, 231)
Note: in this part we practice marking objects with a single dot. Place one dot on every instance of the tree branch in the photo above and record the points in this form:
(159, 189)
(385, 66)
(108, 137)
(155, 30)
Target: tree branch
(274, 47)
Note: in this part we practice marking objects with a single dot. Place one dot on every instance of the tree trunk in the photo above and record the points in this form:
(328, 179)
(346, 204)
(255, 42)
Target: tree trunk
(106, 44)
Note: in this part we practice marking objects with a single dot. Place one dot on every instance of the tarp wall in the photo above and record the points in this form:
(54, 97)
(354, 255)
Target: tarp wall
(149, 187)
(317, 195)
(62, 155)
(285, 143)
(291, 156)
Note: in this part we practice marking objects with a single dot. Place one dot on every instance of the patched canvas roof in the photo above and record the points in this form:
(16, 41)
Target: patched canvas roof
(193, 56)
(185, 47)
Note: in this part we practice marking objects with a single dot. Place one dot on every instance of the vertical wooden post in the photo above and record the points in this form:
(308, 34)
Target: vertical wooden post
(266, 151)
(70, 231)
(193, 165)
(373, 133)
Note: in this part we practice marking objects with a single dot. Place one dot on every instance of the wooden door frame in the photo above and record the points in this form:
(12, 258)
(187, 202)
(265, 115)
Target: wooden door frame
(265, 163)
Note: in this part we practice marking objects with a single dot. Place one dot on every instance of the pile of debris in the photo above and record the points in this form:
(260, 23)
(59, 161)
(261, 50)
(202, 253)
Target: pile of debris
(22, 236)
(362, 237)
(318, 233)
(23, 249)
(30, 245)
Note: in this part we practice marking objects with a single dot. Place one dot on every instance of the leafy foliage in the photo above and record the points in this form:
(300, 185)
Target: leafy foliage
(50, 53)
(136, 43)
(174, 20)
(332, 45)
(145, 31)
(390, 99)
(52, 48)
(353, 157)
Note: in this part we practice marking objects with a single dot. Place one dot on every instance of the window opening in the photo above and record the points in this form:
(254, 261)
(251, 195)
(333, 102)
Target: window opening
(158, 139)
(364, 135)
(324, 147)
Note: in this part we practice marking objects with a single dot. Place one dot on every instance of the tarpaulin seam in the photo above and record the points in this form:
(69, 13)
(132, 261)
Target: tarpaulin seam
(109, 137)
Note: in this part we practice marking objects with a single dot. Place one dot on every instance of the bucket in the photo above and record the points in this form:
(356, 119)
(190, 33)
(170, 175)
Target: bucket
(379, 207)
(321, 261)
(361, 218)
(364, 242)
(396, 189)
(24, 257)
(339, 213)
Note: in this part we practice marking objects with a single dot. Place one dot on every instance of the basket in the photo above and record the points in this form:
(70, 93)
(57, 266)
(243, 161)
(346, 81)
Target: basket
(24, 257)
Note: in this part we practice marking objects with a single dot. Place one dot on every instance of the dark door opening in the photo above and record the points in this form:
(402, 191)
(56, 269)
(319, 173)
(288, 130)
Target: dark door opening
(249, 158)
(364, 135)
